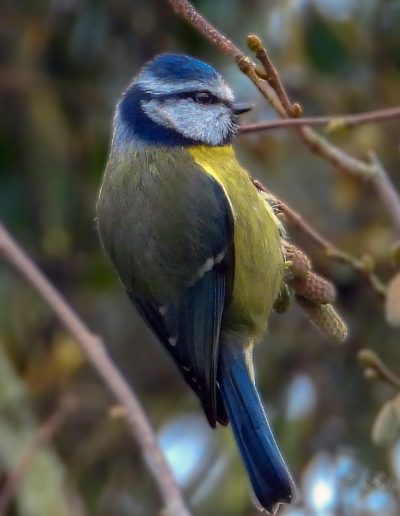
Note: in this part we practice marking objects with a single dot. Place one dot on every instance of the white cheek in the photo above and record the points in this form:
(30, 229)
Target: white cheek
(207, 124)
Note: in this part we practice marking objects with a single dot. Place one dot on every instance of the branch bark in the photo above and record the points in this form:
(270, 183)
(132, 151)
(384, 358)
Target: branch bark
(94, 349)
(188, 12)
(360, 266)
(331, 123)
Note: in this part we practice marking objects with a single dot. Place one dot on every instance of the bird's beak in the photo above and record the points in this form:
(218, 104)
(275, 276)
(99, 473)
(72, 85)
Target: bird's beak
(241, 107)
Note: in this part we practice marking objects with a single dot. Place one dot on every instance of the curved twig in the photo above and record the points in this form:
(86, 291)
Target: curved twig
(94, 349)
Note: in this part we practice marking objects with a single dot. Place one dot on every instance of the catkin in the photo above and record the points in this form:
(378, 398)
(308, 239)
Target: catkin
(325, 318)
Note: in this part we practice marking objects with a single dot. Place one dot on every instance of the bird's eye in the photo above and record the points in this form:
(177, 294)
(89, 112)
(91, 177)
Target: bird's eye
(202, 97)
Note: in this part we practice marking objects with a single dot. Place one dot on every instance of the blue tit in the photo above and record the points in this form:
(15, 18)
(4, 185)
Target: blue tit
(196, 246)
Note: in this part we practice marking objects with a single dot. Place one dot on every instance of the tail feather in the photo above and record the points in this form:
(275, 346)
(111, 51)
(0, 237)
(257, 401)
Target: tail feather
(269, 476)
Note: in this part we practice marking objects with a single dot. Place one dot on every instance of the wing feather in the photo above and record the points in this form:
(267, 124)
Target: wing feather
(189, 326)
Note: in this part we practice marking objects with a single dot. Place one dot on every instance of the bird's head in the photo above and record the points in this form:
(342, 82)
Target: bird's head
(177, 100)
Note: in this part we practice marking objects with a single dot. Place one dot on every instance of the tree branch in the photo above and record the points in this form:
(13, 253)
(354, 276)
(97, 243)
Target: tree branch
(314, 141)
(94, 349)
(189, 13)
(332, 123)
(359, 265)
(272, 75)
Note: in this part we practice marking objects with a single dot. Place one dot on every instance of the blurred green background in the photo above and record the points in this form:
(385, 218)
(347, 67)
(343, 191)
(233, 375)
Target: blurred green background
(63, 64)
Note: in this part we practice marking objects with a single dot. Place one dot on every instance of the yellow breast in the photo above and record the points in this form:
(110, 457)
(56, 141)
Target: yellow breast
(258, 255)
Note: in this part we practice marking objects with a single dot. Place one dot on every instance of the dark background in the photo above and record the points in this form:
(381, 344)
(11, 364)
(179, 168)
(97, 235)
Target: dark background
(63, 64)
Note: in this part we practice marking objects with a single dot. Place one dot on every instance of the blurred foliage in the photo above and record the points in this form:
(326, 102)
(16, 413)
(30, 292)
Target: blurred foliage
(63, 64)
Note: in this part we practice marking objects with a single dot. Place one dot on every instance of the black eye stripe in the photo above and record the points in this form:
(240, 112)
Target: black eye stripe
(195, 96)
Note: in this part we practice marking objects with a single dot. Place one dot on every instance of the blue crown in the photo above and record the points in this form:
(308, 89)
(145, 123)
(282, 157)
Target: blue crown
(180, 67)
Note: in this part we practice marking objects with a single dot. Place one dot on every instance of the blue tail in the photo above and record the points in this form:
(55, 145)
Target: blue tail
(269, 476)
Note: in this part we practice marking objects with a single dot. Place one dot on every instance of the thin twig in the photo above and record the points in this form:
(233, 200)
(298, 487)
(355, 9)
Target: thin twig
(266, 90)
(189, 13)
(346, 121)
(314, 141)
(44, 434)
(362, 267)
(94, 349)
(341, 159)
(271, 73)
(386, 190)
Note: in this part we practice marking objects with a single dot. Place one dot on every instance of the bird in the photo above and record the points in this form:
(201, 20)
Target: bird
(196, 247)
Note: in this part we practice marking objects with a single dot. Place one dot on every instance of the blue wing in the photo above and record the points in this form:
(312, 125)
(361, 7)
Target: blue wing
(189, 326)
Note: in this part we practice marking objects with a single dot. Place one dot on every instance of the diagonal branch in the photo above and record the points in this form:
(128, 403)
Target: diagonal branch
(94, 349)
(189, 13)
(359, 265)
